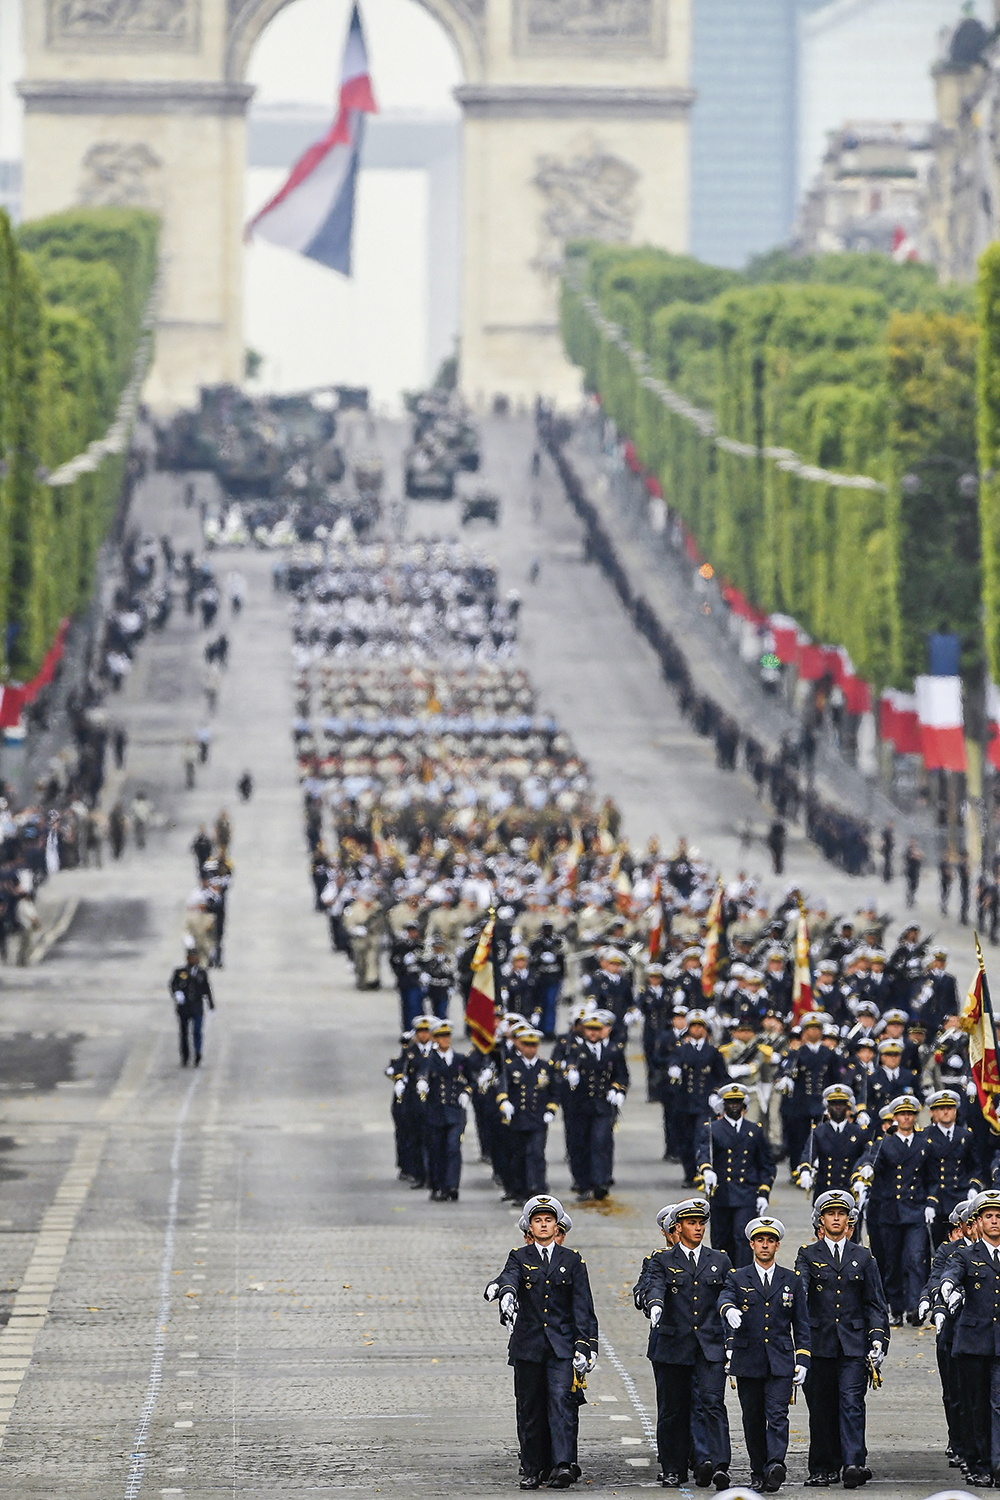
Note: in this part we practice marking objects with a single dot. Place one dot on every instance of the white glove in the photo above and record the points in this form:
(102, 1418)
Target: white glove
(877, 1355)
(507, 1110)
(655, 1314)
(715, 1103)
(953, 1296)
(580, 1362)
(674, 1073)
(548, 1116)
(573, 1077)
(615, 1097)
(591, 1362)
(939, 1318)
(465, 1100)
(861, 1193)
(923, 1308)
(399, 1088)
(179, 997)
(864, 1119)
(971, 1194)
(971, 1090)
(508, 1307)
(740, 1070)
(806, 1179)
(930, 1214)
(710, 1180)
(491, 1291)
(867, 1172)
(633, 1016)
(799, 1378)
(423, 1087)
(762, 1205)
(485, 1080)
(785, 1085)
(734, 1317)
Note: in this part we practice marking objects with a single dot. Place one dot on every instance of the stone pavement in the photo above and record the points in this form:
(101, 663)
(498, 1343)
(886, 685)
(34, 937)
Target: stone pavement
(214, 1284)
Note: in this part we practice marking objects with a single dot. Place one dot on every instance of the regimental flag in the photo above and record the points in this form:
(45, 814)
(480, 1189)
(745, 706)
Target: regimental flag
(480, 1008)
(313, 212)
(574, 855)
(939, 709)
(710, 962)
(802, 985)
(977, 1020)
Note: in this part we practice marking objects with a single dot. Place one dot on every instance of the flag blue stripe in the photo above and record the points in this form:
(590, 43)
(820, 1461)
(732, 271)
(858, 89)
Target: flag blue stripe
(331, 244)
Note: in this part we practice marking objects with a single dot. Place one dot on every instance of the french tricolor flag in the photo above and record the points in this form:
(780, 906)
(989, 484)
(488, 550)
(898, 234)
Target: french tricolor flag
(313, 212)
(939, 709)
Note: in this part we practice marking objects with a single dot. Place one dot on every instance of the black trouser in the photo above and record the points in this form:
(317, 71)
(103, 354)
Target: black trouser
(526, 1161)
(948, 1370)
(547, 1413)
(981, 1398)
(728, 1226)
(591, 1145)
(797, 1128)
(444, 1156)
(190, 1021)
(835, 1393)
(678, 1387)
(764, 1402)
(685, 1129)
(413, 1140)
(903, 1264)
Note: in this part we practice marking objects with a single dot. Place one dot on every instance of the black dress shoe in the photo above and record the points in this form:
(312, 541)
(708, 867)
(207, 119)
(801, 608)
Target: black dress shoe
(852, 1476)
(866, 1474)
(671, 1481)
(773, 1479)
(600, 1192)
(818, 1481)
(436, 1197)
(756, 1481)
(418, 1184)
(980, 1481)
(531, 1482)
(703, 1474)
(720, 1478)
(896, 1321)
(453, 1195)
(562, 1477)
(913, 1319)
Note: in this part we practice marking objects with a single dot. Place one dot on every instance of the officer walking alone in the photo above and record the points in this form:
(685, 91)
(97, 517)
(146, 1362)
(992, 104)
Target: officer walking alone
(190, 992)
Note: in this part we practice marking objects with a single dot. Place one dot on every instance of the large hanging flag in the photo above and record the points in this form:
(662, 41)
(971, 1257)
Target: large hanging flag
(313, 212)
(710, 962)
(802, 987)
(977, 1020)
(939, 709)
(480, 1008)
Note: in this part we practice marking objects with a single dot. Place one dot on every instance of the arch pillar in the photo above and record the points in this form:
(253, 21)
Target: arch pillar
(574, 125)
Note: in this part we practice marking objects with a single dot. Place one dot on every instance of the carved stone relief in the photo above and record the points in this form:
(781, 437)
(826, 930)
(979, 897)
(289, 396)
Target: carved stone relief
(589, 196)
(124, 25)
(595, 27)
(124, 174)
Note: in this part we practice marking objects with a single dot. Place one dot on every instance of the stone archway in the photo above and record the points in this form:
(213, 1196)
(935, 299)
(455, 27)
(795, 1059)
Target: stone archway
(575, 123)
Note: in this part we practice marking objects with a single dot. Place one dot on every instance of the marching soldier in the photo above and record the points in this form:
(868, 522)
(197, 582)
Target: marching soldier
(545, 1299)
(687, 1352)
(902, 1207)
(804, 1076)
(437, 978)
(409, 1110)
(960, 1452)
(955, 1172)
(526, 1099)
(848, 1333)
(764, 1306)
(737, 1172)
(696, 1071)
(890, 1078)
(972, 1283)
(597, 1080)
(548, 963)
(447, 1099)
(834, 1147)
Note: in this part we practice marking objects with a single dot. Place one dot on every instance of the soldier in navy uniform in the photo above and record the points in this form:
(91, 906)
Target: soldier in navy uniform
(848, 1328)
(548, 964)
(191, 992)
(695, 1072)
(526, 1098)
(409, 1109)
(901, 1205)
(889, 1078)
(835, 1146)
(970, 1288)
(767, 1341)
(444, 1088)
(596, 1079)
(960, 1451)
(687, 1352)
(737, 1173)
(804, 1076)
(955, 1170)
(610, 988)
(545, 1298)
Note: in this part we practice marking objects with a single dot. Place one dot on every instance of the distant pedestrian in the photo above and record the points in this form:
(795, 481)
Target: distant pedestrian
(201, 848)
(119, 745)
(776, 844)
(117, 830)
(204, 739)
(946, 874)
(534, 570)
(963, 889)
(27, 922)
(190, 761)
(888, 848)
(911, 870)
(245, 786)
(142, 811)
(223, 831)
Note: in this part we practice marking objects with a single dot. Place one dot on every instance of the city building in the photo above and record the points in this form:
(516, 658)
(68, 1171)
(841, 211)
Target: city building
(869, 190)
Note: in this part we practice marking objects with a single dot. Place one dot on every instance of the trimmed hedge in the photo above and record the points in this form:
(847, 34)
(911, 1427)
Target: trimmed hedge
(854, 364)
(73, 293)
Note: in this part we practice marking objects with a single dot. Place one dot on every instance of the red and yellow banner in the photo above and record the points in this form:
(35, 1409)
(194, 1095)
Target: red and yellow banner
(802, 987)
(977, 1020)
(480, 1008)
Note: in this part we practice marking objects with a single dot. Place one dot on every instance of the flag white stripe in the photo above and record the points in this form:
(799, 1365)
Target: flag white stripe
(297, 219)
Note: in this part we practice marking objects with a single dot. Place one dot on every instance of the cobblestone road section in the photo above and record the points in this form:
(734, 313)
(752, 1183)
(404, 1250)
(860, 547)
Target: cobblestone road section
(324, 1328)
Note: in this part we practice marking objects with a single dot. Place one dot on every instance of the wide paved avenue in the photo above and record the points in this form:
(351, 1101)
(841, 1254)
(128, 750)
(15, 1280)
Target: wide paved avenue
(213, 1283)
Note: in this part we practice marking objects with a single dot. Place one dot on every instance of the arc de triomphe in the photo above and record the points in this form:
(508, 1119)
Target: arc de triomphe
(575, 123)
